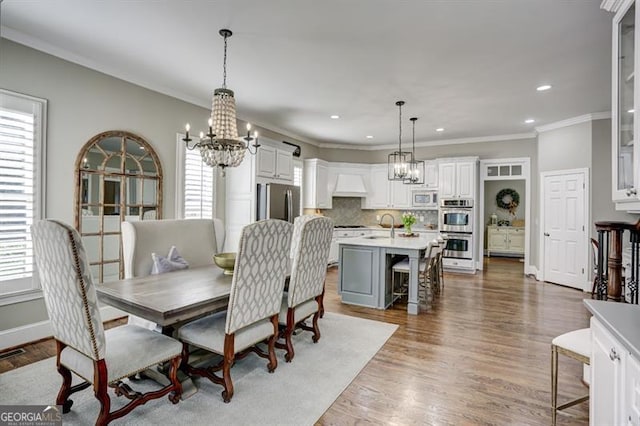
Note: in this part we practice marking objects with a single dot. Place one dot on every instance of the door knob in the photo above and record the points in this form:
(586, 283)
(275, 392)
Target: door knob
(546, 234)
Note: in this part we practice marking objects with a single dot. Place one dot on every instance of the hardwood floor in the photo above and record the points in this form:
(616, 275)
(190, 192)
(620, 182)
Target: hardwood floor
(480, 356)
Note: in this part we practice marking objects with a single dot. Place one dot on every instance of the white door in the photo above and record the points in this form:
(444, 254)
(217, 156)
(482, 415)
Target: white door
(565, 241)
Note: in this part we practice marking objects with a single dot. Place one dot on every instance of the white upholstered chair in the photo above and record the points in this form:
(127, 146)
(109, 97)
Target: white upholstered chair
(258, 281)
(310, 244)
(101, 358)
(576, 345)
(197, 240)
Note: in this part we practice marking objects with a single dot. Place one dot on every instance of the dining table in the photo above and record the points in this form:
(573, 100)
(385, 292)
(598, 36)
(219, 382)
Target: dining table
(168, 300)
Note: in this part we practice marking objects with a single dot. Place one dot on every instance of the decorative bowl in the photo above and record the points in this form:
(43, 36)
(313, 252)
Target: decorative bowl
(226, 261)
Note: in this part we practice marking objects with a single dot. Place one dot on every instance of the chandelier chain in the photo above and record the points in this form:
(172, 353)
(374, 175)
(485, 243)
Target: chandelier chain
(224, 65)
(400, 128)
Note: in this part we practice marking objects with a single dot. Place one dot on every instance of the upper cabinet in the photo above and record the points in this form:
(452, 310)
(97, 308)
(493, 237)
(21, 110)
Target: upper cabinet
(431, 175)
(316, 184)
(274, 164)
(457, 178)
(625, 163)
(386, 194)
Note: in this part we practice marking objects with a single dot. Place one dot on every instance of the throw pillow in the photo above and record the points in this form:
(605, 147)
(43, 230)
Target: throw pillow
(173, 262)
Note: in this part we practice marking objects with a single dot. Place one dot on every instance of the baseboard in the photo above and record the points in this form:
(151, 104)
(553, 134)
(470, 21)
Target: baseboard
(42, 329)
(531, 270)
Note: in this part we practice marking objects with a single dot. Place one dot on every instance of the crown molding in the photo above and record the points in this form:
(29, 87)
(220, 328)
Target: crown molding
(611, 5)
(573, 121)
(480, 139)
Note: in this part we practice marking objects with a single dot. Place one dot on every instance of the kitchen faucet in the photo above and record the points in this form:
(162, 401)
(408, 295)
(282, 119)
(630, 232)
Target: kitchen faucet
(393, 223)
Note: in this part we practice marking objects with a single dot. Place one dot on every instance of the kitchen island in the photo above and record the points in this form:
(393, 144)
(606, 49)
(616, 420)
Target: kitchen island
(365, 269)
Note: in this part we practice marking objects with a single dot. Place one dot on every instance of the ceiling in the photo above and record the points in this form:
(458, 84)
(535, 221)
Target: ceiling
(468, 66)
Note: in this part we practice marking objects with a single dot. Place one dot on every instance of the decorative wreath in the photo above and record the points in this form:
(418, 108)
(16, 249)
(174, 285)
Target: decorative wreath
(508, 199)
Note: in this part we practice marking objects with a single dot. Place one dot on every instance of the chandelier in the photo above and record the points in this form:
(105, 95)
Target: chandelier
(221, 146)
(398, 161)
(415, 174)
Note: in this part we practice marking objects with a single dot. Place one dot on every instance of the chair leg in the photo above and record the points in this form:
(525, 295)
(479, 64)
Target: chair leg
(65, 388)
(100, 387)
(175, 396)
(288, 332)
(229, 355)
(273, 361)
(321, 301)
(316, 329)
(554, 384)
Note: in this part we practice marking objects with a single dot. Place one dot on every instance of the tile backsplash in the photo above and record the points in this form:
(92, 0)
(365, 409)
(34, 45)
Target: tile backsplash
(348, 211)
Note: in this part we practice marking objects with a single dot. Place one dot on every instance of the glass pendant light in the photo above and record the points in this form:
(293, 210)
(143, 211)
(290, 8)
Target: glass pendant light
(415, 176)
(398, 161)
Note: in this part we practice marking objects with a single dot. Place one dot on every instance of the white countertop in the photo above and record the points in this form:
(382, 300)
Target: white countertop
(409, 243)
(418, 228)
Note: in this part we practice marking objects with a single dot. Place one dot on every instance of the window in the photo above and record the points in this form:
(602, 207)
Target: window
(195, 191)
(22, 150)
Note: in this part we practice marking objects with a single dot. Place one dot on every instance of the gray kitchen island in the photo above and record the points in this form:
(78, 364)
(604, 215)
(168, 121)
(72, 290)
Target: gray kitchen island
(365, 269)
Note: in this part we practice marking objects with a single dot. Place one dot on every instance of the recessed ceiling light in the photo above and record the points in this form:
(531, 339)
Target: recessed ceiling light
(440, 129)
(335, 117)
(543, 87)
(369, 137)
(529, 120)
(631, 111)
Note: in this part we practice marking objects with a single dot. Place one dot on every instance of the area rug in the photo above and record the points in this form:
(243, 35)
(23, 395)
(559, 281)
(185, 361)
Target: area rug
(297, 393)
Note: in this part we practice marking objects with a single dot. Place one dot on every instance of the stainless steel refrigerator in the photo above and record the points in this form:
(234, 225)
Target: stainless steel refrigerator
(277, 201)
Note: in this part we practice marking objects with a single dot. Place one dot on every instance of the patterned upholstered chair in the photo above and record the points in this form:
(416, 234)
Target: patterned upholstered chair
(101, 358)
(311, 242)
(254, 302)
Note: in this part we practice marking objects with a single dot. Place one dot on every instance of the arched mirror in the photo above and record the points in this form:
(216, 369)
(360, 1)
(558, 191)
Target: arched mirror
(118, 178)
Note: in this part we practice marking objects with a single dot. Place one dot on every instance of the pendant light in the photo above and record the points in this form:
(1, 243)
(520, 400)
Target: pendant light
(221, 146)
(398, 161)
(415, 176)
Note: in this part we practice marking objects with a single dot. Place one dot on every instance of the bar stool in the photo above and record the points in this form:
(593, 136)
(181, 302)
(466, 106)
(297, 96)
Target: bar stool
(576, 345)
(402, 267)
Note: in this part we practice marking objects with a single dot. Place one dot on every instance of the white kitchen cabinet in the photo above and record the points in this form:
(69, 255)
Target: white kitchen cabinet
(457, 178)
(385, 193)
(505, 239)
(274, 164)
(316, 185)
(624, 126)
(632, 392)
(431, 175)
(606, 391)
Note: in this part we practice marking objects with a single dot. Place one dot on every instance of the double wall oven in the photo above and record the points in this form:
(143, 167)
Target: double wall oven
(456, 226)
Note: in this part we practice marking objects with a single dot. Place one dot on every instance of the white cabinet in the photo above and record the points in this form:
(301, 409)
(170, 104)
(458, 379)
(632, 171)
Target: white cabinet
(431, 175)
(624, 126)
(274, 163)
(316, 184)
(457, 178)
(607, 377)
(505, 239)
(385, 193)
(632, 392)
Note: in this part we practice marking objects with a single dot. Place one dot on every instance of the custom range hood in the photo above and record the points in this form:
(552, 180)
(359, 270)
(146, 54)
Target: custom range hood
(349, 185)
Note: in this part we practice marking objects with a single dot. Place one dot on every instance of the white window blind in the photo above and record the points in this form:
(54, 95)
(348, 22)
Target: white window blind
(196, 185)
(297, 179)
(21, 191)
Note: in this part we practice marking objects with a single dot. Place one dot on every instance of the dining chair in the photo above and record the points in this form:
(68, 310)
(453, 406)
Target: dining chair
(575, 345)
(102, 358)
(255, 297)
(428, 279)
(303, 298)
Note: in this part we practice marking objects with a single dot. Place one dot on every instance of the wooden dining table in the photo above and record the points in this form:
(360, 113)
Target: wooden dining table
(168, 300)
(171, 298)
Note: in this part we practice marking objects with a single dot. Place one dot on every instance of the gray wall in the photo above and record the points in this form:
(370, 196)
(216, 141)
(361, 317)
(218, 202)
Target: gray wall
(565, 148)
(83, 103)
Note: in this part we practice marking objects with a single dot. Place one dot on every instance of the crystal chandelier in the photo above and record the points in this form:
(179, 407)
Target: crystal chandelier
(221, 146)
(398, 161)
(415, 175)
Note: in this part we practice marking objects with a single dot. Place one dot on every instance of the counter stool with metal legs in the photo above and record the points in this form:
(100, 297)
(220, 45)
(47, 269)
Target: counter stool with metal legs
(403, 268)
(576, 345)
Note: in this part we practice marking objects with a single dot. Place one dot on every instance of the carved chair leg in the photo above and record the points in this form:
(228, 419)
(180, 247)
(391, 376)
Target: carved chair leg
(65, 388)
(229, 355)
(174, 396)
(273, 361)
(321, 301)
(316, 329)
(100, 389)
(184, 364)
(288, 332)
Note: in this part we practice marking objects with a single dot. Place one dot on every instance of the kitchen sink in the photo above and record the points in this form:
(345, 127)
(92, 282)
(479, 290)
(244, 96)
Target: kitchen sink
(375, 237)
